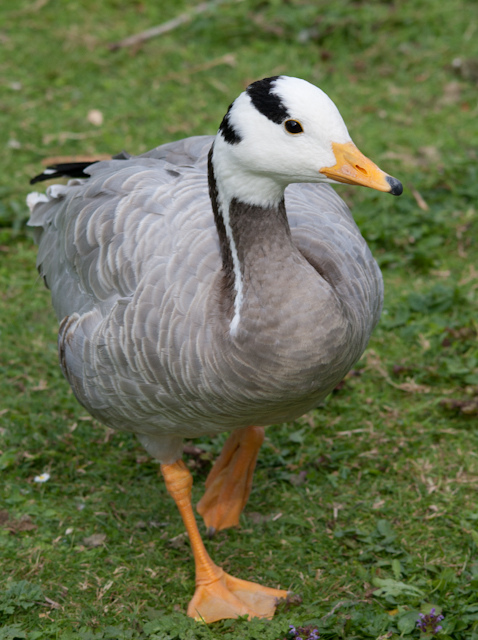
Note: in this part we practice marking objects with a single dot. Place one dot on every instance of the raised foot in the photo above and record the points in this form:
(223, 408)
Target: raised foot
(229, 597)
(229, 483)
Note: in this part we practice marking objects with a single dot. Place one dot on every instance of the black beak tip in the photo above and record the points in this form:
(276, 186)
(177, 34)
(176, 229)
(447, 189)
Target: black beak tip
(396, 187)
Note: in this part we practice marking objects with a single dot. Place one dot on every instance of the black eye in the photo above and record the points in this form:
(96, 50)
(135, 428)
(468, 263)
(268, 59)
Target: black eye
(292, 126)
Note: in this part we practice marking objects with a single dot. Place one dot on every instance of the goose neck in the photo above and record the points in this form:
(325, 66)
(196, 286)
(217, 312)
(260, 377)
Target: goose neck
(254, 237)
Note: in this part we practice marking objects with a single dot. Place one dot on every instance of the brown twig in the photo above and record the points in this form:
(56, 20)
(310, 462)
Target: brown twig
(420, 200)
(165, 27)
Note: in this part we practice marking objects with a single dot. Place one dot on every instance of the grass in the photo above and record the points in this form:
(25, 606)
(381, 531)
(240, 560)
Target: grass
(366, 507)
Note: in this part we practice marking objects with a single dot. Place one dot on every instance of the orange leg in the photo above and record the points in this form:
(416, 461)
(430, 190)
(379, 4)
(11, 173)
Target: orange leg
(230, 481)
(218, 595)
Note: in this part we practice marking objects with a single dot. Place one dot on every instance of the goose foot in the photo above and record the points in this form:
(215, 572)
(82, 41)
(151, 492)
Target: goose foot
(218, 595)
(229, 482)
(229, 597)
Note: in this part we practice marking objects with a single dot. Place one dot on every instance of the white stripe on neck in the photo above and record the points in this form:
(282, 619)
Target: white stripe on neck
(224, 206)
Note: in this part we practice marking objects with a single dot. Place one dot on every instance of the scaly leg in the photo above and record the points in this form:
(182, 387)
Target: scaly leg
(218, 595)
(229, 482)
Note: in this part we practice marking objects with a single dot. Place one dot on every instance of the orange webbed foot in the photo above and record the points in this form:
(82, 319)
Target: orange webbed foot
(229, 597)
(230, 481)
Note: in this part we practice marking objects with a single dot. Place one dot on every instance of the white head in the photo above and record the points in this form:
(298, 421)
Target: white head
(283, 130)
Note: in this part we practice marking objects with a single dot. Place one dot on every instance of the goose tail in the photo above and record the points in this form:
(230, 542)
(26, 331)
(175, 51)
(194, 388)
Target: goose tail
(72, 169)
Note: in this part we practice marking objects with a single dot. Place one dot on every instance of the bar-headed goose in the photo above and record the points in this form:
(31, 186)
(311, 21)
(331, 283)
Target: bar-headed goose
(191, 303)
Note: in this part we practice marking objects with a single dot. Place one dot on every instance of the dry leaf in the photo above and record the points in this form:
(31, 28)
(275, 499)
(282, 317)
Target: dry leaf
(178, 542)
(95, 540)
(412, 387)
(104, 589)
(120, 570)
(24, 523)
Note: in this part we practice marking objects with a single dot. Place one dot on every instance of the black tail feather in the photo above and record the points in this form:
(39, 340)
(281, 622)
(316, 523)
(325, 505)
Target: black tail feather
(72, 169)
(66, 170)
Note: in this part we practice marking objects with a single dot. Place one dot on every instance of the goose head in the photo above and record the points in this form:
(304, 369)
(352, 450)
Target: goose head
(283, 130)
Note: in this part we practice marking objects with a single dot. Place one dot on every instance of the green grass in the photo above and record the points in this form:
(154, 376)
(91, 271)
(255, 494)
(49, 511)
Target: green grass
(366, 508)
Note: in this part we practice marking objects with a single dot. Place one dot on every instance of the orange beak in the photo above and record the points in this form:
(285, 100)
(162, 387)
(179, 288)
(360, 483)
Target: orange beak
(354, 168)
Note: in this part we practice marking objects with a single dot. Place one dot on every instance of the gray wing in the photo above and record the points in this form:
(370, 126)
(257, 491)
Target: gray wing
(97, 237)
(134, 243)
